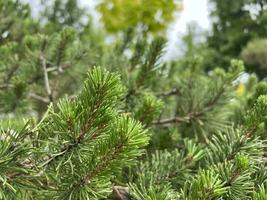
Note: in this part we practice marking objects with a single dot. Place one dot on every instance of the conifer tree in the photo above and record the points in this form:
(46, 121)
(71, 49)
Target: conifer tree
(136, 127)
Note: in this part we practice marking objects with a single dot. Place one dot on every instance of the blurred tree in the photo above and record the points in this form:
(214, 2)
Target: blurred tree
(234, 24)
(16, 21)
(149, 15)
(58, 14)
(255, 55)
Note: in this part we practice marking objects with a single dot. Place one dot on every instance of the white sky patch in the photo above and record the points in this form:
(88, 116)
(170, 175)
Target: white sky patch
(193, 11)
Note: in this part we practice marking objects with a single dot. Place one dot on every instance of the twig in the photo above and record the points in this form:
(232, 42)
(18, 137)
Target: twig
(46, 80)
(247, 135)
(39, 98)
(191, 115)
(11, 72)
(3, 86)
(120, 193)
(172, 120)
(174, 91)
(234, 176)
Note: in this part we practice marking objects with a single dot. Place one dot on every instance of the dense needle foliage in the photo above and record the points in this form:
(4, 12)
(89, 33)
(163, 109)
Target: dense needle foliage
(83, 118)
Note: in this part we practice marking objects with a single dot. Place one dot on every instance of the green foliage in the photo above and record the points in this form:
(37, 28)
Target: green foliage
(230, 35)
(149, 109)
(24, 75)
(137, 127)
(164, 170)
(261, 195)
(255, 53)
(222, 169)
(59, 14)
(151, 16)
(206, 185)
(201, 101)
(76, 148)
(15, 15)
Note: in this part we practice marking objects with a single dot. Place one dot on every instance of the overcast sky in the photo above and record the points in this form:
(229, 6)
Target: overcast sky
(193, 11)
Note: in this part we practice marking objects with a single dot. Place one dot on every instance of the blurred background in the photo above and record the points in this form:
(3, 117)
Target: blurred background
(222, 29)
(190, 12)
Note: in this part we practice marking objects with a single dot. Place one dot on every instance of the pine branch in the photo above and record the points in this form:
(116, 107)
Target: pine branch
(235, 174)
(66, 36)
(93, 140)
(105, 161)
(247, 135)
(153, 55)
(193, 114)
(119, 147)
(65, 149)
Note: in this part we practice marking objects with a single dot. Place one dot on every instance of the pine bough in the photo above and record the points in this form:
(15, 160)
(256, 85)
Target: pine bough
(76, 149)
